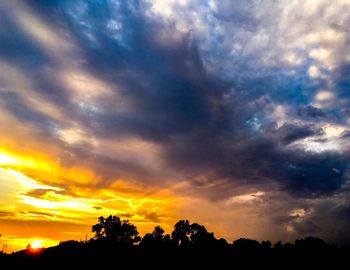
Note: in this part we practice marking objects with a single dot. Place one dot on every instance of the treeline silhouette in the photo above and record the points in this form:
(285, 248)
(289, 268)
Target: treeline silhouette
(117, 244)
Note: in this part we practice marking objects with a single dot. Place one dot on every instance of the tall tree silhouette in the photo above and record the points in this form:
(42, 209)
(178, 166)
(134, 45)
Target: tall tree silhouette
(112, 228)
(181, 233)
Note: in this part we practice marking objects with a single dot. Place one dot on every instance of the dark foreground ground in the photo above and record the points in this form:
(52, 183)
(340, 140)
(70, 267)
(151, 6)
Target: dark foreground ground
(308, 253)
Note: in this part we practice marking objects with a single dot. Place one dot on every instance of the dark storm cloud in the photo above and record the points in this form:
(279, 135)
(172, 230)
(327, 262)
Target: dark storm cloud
(290, 133)
(205, 126)
(258, 160)
(167, 82)
(311, 111)
(16, 46)
(346, 134)
(306, 228)
(15, 105)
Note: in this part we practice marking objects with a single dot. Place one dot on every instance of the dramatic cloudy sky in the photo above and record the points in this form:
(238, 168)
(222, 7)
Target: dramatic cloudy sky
(234, 114)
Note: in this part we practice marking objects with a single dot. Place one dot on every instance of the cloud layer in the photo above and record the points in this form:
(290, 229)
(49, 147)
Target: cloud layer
(217, 102)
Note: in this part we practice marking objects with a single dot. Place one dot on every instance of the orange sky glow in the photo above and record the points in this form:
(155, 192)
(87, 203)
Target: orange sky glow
(36, 210)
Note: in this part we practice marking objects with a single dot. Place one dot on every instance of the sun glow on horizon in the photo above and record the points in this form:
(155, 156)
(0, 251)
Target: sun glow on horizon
(7, 160)
(36, 244)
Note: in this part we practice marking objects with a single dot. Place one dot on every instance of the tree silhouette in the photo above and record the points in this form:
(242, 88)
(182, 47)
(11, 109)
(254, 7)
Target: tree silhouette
(112, 228)
(98, 228)
(181, 233)
(154, 239)
(188, 246)
(200, 236)
(246, 245)
(158, 233)
(192, 234)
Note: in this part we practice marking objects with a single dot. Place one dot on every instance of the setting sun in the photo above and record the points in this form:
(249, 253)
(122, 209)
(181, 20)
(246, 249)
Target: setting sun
(36, 244)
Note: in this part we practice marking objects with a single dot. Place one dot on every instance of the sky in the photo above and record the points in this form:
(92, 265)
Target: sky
(233, 114)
